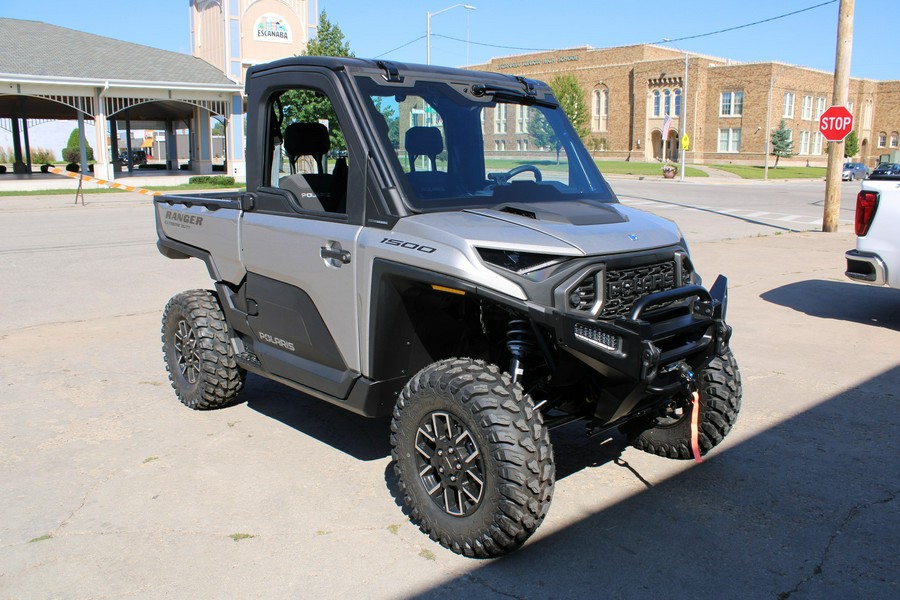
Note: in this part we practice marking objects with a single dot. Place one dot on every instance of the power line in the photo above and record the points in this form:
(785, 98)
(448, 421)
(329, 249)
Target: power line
(493, 45)
(790, 14)
(663, 41)
(400, 47)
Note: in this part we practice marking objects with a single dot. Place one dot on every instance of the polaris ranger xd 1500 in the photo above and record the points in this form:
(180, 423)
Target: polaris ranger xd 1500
(389, 257)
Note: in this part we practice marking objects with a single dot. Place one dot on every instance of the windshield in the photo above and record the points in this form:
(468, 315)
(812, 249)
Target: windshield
(459, 150)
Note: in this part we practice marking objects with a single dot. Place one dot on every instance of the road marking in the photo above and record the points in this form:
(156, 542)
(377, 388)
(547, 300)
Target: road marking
(746, 213)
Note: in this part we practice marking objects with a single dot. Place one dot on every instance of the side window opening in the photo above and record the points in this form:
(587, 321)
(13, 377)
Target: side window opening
(310, 156)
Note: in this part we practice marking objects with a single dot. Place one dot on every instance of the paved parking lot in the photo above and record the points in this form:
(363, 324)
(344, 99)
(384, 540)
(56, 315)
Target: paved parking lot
(110, 488)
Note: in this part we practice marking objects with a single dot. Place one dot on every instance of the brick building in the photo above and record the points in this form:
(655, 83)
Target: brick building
(728, 110)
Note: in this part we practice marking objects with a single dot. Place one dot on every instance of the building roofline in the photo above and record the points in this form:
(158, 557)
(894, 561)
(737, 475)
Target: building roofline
(119, 83)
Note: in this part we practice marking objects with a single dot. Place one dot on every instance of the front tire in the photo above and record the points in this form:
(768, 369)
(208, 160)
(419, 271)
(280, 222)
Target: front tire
(720, 403)
(198, 353)
(473, 458)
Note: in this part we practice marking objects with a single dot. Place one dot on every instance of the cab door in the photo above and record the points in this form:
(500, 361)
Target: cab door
(299, 240)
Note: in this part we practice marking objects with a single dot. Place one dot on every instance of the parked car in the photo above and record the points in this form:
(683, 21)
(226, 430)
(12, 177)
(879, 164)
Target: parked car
(887, 170)
(138, 157)
(876, 258)
(854, 170)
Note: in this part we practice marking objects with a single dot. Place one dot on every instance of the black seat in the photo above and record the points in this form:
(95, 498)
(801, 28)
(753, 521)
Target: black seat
(313, 190)
(427, 141)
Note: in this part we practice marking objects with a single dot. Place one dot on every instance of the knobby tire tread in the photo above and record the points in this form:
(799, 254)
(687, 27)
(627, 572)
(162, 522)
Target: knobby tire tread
(517, 440)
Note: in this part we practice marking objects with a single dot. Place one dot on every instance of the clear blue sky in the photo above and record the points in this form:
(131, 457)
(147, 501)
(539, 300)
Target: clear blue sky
(500, 27)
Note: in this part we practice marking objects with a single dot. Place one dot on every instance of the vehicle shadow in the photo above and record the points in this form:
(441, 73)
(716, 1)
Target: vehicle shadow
(839, 300)
(362, 438)
(798, 510)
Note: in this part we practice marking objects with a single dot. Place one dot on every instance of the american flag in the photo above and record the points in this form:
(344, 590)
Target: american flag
(667, 122)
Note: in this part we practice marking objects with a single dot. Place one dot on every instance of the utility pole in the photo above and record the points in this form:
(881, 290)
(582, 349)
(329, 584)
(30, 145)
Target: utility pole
(768, 126)
(838, 98)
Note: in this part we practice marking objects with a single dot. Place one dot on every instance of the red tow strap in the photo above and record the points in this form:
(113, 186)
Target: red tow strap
(695, 428)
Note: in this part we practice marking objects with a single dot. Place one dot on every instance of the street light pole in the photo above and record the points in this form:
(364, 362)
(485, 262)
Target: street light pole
(428, 16)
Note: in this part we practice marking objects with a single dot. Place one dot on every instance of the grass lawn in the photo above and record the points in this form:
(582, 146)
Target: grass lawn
(754, 172)
(607, 167)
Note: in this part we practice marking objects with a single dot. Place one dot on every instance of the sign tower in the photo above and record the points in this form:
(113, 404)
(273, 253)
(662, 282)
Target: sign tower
(235, 34)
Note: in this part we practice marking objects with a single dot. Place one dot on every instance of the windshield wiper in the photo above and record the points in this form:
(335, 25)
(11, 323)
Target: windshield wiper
(511, 94)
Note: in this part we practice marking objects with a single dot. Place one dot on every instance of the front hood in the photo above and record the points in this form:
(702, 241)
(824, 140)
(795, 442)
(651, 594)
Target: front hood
(563, 228)
(590, 227)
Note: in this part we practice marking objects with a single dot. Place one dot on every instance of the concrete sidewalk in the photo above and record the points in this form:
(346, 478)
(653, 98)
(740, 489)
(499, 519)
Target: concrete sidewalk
(111, 489)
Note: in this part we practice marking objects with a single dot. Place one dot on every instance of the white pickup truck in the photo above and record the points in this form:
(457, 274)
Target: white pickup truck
(876, 259)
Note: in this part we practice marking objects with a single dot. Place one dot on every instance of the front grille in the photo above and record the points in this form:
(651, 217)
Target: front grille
(623, 287)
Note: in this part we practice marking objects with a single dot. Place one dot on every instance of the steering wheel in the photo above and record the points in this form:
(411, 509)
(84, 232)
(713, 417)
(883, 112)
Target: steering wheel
(503, 178)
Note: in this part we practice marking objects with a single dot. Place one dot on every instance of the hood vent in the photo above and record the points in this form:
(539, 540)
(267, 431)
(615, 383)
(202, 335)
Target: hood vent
(528, 214)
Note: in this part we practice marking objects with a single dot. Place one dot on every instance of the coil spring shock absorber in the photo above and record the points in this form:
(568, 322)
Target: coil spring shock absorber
(519, 342)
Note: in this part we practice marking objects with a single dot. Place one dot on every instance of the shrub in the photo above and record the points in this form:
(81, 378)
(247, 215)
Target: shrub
(220, 180)
(72, 152)
(42, 155)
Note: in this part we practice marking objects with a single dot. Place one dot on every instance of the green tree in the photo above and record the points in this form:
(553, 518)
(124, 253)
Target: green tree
(851, 145)
(329, 40)
(301, 106)
(542, 133)
(571, 97)
(72, 152)
(218, 128)
(782, 146)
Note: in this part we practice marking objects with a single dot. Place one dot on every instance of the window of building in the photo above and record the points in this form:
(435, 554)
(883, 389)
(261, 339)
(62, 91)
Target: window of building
(656, 103)
(500, 145)
(678, 103)
(806, 113)
(820, 107)
(730, 139)
(600, 109)
(500, 118)
(788, 107)
(521, 119)
(522, 145)
(817, 143)
(732, 104)
(882, 139)
(894, 139)
(804, 142)
(667, 102)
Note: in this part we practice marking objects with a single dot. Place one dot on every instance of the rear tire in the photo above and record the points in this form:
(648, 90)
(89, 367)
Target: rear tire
(198, 353)
(473, 458)
(720, 403)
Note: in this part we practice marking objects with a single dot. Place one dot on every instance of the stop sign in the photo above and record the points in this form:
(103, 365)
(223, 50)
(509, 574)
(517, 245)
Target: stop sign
(836, 123)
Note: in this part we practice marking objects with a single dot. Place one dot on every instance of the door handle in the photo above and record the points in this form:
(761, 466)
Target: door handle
(335, 254)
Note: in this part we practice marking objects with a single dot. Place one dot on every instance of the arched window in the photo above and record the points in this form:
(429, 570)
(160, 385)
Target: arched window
(656, 107)
(678, 102)
(600, 109)
(882, 139)
(667, 102)
(895, 137)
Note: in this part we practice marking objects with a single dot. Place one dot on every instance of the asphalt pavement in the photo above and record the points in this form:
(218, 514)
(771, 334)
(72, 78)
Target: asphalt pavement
(110, 488)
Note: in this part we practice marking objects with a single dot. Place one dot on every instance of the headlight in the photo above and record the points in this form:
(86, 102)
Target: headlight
(520, 263)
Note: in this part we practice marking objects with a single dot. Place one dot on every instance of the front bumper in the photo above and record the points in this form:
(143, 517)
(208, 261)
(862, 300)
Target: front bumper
(643, 356)
(865, 268)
